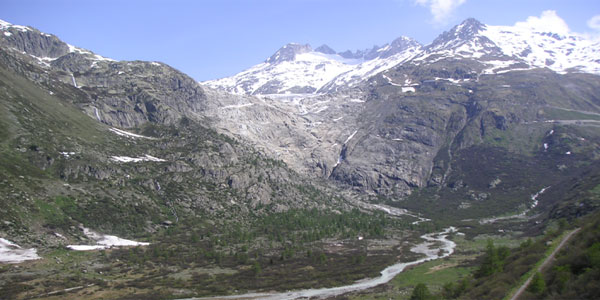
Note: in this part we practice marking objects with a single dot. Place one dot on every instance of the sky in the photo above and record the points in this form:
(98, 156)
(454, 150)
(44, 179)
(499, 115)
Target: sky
(210, 39)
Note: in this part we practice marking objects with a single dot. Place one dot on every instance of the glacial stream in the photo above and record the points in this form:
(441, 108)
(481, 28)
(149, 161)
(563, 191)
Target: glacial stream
(447, 248)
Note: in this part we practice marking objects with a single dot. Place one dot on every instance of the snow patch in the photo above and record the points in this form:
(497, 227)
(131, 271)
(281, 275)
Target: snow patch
(128, 134)
(357, 101)
(67, 154)
(104, 241)
(12, 253)
(237, 106)
(127, 159)
(73, 49)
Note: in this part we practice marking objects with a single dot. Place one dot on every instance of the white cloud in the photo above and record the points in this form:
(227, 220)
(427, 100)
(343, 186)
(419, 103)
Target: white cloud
(594, 22)
(441, 9)
(549, 21)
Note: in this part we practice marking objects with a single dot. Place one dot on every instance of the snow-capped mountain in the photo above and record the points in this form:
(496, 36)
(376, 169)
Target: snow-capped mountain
(399, 51)
(294, 69)
(504, 48)
(298, 69)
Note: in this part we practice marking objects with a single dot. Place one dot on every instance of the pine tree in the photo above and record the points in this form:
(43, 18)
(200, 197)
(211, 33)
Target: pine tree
(493, 260)
(420, 292)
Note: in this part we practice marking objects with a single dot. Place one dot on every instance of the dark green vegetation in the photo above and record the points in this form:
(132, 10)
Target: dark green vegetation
(576, 272)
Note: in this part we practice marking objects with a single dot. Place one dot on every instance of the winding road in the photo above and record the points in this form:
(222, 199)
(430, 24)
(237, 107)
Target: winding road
(547, 261)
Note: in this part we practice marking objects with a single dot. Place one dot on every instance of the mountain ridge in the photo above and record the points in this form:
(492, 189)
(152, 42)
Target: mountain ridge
(300, 69)
(503, 47)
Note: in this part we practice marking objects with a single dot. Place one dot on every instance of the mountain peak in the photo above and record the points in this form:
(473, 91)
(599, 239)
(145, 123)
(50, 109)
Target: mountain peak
(458, 35)
(325, 49)
(288, 52)
(398, 45)
(468, 27)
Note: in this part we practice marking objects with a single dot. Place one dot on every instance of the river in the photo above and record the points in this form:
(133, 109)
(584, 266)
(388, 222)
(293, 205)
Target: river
(447, 247)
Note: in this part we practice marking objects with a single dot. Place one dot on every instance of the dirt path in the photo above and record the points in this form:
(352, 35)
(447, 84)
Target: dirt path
(547, 261)
(575, 110)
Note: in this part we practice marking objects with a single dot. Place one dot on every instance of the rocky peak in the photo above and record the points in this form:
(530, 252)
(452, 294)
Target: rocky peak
(399, 45)
(325, 49)
(288, 53)
(404, 42)
(458, 35)
(352, 55)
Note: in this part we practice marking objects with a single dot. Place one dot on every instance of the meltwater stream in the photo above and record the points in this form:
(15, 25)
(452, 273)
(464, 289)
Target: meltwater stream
(447, 248)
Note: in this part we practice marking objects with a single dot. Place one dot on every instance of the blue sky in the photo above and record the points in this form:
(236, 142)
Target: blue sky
(217, 38)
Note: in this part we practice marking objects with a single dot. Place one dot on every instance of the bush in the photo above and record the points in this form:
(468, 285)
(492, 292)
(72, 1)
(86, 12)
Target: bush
(537, 285)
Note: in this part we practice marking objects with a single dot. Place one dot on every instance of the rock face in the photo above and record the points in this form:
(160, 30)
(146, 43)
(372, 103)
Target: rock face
(399, 129)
